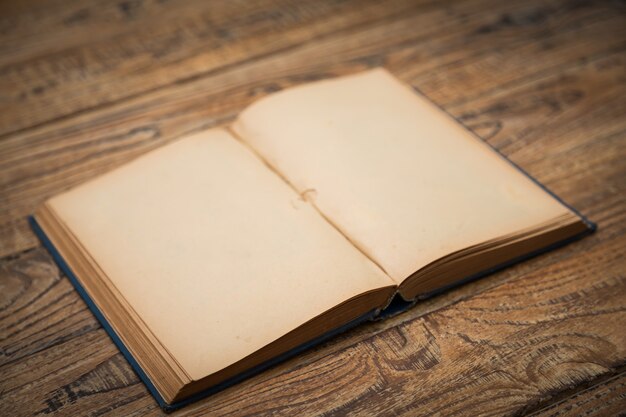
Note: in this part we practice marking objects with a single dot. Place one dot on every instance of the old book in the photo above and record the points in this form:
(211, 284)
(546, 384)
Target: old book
(324, 205)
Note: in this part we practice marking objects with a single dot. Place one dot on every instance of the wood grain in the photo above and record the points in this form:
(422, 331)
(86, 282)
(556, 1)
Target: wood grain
(89, 144)
(605, 398)
(89, 85)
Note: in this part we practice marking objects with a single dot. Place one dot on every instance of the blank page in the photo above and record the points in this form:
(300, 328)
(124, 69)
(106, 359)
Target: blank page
(404, 181)
(213, 250)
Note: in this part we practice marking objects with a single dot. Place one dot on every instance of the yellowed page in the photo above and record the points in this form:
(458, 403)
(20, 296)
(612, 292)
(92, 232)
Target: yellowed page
(215, 252)
(394, 173)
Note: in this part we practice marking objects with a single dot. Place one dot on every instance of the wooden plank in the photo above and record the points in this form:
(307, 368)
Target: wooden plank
(576, 265)
(39, 309)
(186, 48)
(605, 398)
(515, 344)
(111, 51)
(45, 30)
(67, 152)
(543, 83)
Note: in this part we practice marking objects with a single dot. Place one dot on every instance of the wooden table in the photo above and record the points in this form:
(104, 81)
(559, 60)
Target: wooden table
(88, 85)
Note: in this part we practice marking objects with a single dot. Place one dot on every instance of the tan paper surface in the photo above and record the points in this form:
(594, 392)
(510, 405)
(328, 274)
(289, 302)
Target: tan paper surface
(403, 180)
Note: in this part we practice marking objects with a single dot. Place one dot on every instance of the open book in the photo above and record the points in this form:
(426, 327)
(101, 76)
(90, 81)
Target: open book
(224, 252)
